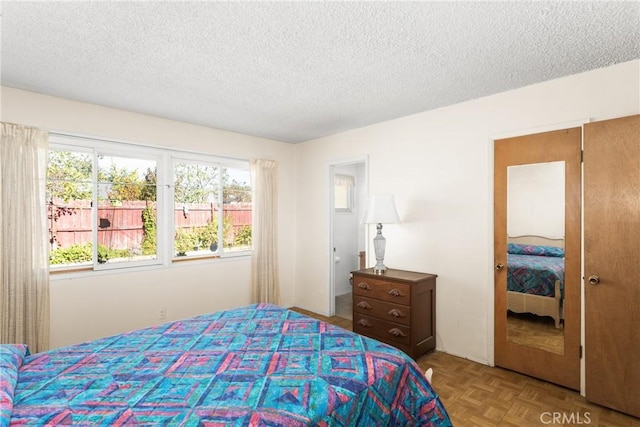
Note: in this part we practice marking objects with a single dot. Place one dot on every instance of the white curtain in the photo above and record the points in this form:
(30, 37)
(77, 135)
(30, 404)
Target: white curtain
(264, 259)
(344, 180)
(24, 250)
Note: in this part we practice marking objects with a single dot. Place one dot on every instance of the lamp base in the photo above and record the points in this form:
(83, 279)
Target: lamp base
(379, 269)
(379, 243)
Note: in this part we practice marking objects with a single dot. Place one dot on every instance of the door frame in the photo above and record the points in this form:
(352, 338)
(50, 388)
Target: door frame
(330, 184)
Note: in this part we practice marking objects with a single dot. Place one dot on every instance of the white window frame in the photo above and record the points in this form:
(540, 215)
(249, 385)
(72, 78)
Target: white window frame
(220, 163)
(239, 166)
(165, 225)
(197, 160)
(160, 213)
(350, 192)
(64, 145)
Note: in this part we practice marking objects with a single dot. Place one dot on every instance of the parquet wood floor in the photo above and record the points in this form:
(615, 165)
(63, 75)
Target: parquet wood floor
(477, 395)
(535, 331)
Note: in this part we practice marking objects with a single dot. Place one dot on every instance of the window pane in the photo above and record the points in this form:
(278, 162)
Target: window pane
(195, 209)
(237, 208)
(343, 198)
(127, 209)
(69, 195)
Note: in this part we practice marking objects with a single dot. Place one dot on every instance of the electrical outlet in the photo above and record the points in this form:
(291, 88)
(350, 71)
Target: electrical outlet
(162, 314)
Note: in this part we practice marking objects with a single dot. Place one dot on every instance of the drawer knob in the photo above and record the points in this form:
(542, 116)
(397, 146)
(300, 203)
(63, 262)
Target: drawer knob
(397, 332)
(395, 293)
(364, 323)
(364, 305)
(364, 285)
(396, 313)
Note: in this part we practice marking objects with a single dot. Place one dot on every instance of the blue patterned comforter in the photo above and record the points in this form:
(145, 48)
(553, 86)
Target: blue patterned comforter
(535, 274)
(256, 365)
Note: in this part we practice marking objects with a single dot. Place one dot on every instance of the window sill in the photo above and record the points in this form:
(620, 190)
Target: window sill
(194, 258)
(70, 270)
(74, 273)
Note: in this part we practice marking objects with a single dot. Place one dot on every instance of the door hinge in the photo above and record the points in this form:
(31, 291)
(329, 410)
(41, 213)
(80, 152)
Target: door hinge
(580, 352)
(581, 156)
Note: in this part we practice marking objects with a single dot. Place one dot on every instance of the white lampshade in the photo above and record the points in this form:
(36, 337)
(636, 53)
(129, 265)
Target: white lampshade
(381, 210)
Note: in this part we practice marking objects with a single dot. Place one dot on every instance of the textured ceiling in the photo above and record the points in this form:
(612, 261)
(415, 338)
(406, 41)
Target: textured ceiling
(295, 71)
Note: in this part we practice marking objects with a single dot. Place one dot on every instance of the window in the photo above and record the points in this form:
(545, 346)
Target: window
(127, 209)
(237, 208)
(113, 205)
(196, 208)
(343, 192)
(200, 190)
(69, 212)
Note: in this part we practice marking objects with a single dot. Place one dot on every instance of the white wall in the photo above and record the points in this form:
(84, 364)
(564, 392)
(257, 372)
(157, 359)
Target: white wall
(89, 306)
(439, 165)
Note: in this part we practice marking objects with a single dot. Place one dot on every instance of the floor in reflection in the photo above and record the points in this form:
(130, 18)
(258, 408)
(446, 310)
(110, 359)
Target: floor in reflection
(535, 331)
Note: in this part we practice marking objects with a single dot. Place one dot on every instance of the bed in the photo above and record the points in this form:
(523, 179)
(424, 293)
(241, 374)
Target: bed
(535, 276)
(255, 365)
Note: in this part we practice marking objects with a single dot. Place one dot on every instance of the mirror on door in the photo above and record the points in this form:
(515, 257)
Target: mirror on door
(535, 255)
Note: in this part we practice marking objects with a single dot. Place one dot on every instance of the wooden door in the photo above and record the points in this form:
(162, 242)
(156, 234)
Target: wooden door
(564, 146)
(612, 263)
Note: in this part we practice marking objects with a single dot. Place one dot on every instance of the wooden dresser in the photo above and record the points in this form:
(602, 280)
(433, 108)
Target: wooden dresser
(397, 307)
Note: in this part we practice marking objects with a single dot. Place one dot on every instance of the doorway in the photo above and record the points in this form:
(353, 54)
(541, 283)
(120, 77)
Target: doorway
(348, 201)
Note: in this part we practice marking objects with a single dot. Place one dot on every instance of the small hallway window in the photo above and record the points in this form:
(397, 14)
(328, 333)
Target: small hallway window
(343, 192)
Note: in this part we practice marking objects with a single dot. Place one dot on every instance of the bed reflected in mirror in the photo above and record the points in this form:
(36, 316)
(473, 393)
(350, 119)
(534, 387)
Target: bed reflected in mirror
(535, 255)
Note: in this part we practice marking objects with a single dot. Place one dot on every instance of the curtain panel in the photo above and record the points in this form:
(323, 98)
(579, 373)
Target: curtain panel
(24, 249)
(264, 260)
(344, 180)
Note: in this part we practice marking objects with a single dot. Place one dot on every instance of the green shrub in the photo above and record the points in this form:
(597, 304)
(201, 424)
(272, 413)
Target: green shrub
(184, 241)
(243, 236)
(205, 236)
(105, 254)
(74, 254)
(80, 253)
(149, 241)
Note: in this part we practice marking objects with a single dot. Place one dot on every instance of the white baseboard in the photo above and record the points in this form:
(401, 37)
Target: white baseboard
(473, 359)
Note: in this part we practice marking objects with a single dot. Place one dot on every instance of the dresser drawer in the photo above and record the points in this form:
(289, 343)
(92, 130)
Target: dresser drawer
(382, 309)
(397, 292)
(388, 332)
